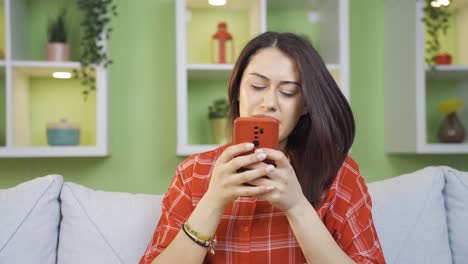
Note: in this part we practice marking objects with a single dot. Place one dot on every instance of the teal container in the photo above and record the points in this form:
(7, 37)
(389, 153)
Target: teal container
(63, 133)
(63, 137)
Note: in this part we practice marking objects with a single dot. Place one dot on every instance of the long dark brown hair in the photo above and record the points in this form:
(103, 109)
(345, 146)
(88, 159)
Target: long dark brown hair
(321, 139)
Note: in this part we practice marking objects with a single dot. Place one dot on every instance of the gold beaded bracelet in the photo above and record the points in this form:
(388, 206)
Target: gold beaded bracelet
(201, 240)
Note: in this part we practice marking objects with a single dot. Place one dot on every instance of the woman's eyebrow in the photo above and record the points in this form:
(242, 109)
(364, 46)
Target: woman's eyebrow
(281, 82)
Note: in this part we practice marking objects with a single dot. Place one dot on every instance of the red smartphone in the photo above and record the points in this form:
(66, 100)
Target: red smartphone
(263, 132)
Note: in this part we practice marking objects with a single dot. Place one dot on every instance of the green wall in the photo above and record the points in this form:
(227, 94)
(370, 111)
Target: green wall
(143, 112)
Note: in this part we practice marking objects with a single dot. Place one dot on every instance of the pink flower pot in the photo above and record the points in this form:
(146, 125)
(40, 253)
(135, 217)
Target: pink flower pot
(58, 51)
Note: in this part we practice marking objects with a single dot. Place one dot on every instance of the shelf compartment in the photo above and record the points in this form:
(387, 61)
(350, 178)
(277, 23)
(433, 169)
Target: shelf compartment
(455, 40)
(39, 99)
(316, 20)
(243, 21)
(299, 17)
(29, 21)
(201, 95)
(438, 90)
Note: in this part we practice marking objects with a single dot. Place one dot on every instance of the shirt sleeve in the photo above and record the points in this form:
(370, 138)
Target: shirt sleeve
(176, 208)
(358, 237)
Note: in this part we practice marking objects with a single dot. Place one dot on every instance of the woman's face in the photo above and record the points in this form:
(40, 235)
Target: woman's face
(270, 86)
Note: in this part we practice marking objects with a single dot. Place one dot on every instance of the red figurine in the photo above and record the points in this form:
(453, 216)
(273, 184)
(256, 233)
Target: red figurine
(224, 38)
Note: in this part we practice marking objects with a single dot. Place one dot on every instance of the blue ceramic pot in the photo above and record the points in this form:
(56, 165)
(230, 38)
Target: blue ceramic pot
(63, 134)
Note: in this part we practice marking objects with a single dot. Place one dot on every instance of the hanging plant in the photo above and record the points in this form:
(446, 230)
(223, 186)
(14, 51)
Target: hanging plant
(96, 29)
(436, 19)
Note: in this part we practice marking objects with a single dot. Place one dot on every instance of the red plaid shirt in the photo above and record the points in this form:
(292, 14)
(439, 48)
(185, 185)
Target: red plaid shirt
(252, 231)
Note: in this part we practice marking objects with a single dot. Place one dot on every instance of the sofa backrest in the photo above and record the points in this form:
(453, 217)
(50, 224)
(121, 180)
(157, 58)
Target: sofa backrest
(105, 227)
(411, 213)
(29, 221)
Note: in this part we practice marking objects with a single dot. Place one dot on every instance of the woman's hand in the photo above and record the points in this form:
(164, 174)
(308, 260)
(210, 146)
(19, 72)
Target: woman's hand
(226, 184)
(287, 191)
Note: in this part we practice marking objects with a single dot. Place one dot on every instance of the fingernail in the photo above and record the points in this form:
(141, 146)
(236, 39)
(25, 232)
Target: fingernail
(249, 145)
(259, 151)
(270, 187)
(261, 156)
(269, 168)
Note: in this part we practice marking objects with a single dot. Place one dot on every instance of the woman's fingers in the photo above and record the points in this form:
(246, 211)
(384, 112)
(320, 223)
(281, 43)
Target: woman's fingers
(245, 190)
(235, 150)
(245, 160)
(248, 176)
(275, 155)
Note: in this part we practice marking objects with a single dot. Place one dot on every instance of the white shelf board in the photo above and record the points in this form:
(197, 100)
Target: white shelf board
(45, 68)
(444, 148)
(2, 63)
(448, 71)
(235, 5)
(52, 151)
(209, 71)
(46, 64)
(187, 150)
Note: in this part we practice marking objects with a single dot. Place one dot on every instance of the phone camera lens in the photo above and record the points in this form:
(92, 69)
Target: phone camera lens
(256, 143)
(261, 130)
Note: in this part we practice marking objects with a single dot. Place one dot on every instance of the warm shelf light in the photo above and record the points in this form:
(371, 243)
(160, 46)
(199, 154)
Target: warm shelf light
(62, 75)
(217, 2)
(439, 3)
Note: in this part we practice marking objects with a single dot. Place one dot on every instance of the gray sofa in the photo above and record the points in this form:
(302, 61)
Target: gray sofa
(421, 217)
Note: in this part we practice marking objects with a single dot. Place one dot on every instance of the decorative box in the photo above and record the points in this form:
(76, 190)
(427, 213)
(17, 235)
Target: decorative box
(63, 133)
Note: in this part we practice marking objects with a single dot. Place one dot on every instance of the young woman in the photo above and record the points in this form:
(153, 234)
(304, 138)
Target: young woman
(312, 206)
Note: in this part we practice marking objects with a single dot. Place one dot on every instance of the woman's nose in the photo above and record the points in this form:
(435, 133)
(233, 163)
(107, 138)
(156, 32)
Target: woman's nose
(269, 99)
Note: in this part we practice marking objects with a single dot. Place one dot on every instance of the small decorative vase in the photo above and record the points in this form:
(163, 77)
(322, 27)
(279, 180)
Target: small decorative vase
(57, 51)
(219, 130)
(451, 129)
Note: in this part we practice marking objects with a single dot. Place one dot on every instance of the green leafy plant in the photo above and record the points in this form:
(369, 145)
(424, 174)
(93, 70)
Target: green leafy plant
(436, 20)
(96, 29)
(56, 30)
(219, 109)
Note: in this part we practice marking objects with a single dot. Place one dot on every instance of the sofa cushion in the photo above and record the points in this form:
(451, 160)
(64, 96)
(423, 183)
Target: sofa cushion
(456, 198)
(105, 227)
(29, 221)
(410, 219)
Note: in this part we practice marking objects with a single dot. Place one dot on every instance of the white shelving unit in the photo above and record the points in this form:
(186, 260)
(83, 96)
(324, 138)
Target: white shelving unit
(330, 16)
(410, 84)
(19, 72)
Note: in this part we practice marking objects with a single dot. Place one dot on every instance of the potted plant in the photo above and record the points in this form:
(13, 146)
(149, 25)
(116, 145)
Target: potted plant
(58, 49)
(96, 29)
(436, 19)
(219, 116)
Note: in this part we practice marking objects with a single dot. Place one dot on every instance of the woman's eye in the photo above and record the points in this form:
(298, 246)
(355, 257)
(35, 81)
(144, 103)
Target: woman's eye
(288, 93)
(257, 87)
